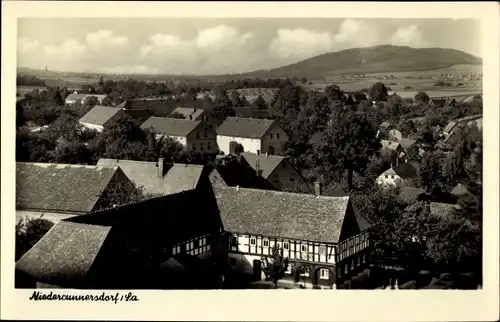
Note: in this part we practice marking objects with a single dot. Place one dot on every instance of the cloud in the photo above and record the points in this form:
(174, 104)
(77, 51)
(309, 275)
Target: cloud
(300, 43)
(70, 47)
(25, 45)
(409, 36)
(105, 38)
(212, 50)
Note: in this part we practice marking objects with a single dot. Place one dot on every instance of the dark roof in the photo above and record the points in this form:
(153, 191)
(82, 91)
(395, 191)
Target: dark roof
(405, 170)
(237, 172)
(65, 254)
(249, 112)
(244, 127)
(411, 193)
(460, 190)
(359, 97)
(282, 214)
(175, 178)
(267, 164)
(60, 187)
(188, 111)
(99, 115)
(170, 126)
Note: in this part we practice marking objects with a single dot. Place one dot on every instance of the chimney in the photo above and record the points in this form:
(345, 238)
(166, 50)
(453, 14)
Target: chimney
(238, 188)
(190, 117)
(160, 167)
(317, 188)
(257, 167)
(267, 154)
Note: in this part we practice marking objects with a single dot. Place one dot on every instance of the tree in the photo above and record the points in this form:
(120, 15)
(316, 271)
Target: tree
(239, 149)
(107, 101)
(333, 93)
(90, 101)
(422, 98)
(430, 172)
(119, 193)
(236, 99)
(347, 144)
(28, 233)
(222, 106)
(275, 267)
(259, 103)
(378, 92)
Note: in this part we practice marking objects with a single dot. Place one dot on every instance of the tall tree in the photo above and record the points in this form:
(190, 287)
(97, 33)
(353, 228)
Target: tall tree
(222, 105)
(275, 267)
(430, 172)
(422, 98)
(378, 92)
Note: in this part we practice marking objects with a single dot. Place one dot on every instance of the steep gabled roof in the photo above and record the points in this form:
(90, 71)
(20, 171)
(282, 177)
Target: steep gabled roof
(65, 254)
(244, 127)
(170, 126)
(282, 214)
(99, 115)
(267, 164)
(405, 170)
(60, 187)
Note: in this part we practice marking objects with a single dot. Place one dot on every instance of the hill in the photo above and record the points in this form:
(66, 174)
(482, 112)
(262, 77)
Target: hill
(377, 59)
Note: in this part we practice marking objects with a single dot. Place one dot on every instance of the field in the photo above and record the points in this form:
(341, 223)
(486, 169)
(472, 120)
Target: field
(455, 70)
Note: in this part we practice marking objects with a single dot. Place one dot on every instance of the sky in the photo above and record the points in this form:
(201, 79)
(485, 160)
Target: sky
(198, 46)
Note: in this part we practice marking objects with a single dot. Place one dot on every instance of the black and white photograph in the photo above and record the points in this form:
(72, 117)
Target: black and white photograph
(251, 153)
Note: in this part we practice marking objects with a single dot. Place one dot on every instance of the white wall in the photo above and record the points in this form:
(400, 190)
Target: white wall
(392, 179)
(92, 126)
(249, 145)
(244, 263)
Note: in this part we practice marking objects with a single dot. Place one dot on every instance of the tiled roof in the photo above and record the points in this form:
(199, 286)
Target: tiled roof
(175, 178)
(460, 190)
(288, 215)
(442, 210)
(244, 127)
(65, 254)
(449, 126)
(405, 170)
(74, 97)
(170, 126)
(99, 115)
(411, 193)
(249, 112)
(407, 143)
(469, 118)
(267, 164)
(189, 111)
(60, 187)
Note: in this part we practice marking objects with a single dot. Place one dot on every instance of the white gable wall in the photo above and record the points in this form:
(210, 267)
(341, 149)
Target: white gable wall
(249, 145)
(388, 178)
(90, 126)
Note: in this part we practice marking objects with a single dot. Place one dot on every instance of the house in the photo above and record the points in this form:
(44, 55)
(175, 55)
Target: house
(162, 106)
(196, 114)
(277, 170)
(324, 238)
(158, 178)
(253, 134)
(404, 173)
(393, 150)
(443, 102)
(58, 191)
(450, 130)
(460, 190)
(193, 135)
(74, 97)
(104, 249)
(385, 127)
(100, 117)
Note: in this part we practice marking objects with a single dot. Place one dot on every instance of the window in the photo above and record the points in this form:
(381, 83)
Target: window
(205, 133)
(209, 146)
(196, 243)
(183, 248)
(232, 261)
(392, 176)
(201, 147)
(322, 250)
(271, 136)
(235, 240)
(303, 248)
(174, 250)
(266, 243)
(304, 271)
(178, 249)
(194, 147)
(285, 245)
(386, 176)
(324, 273)
(197, 135)
(277, 136)
(252, 241)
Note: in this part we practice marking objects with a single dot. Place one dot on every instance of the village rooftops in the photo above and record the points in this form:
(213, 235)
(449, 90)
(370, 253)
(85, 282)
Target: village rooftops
(157, 178)
(100, 115)
(60, 187)
(170, 126)
(282, 214)
(404, 170)
(267, 163)
(65, 254)
(189, 113)
(407, 143)
(244, 127)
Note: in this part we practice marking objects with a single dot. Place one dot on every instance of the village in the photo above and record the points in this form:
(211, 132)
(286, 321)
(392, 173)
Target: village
(192, 188)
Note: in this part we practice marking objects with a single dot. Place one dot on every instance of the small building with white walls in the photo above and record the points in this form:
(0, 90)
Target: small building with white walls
(255, 135)
(101, 116)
